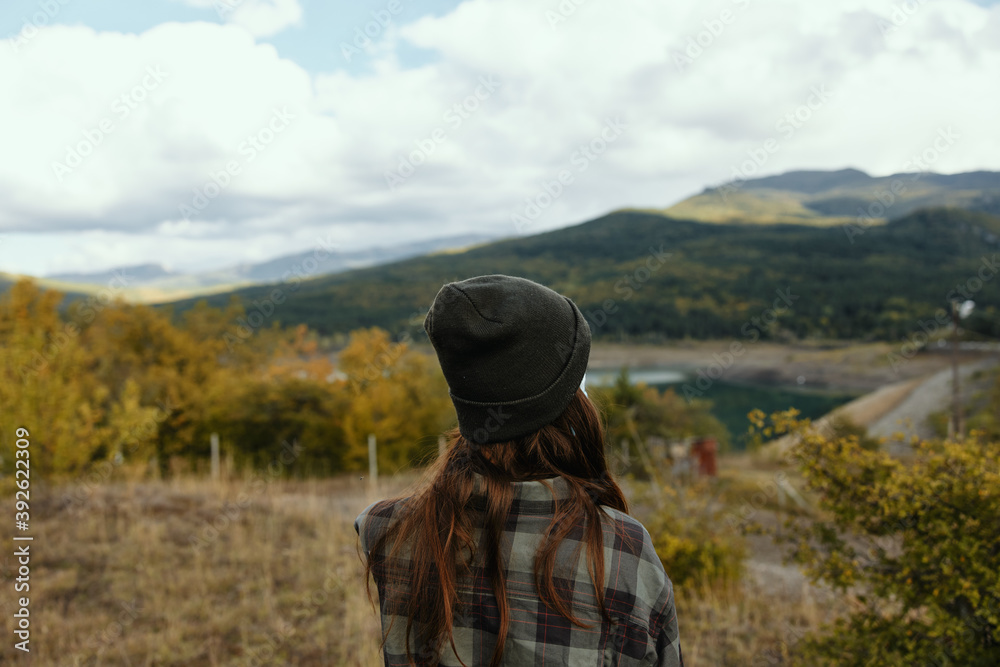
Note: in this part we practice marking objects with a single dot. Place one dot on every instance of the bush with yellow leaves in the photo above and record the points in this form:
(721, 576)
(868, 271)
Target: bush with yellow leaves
(693, 541)
(914, 545)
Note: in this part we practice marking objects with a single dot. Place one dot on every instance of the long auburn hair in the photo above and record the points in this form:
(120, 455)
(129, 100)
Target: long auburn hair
(435, 525)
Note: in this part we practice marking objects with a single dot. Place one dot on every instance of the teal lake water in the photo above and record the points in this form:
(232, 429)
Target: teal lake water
(731, 402)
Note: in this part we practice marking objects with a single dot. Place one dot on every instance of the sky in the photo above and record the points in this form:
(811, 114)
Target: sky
(204, 133)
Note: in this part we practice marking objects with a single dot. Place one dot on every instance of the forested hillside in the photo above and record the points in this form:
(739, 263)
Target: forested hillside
(645, 276)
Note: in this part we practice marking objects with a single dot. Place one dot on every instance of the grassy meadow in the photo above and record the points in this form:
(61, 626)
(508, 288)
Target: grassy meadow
(133, 573)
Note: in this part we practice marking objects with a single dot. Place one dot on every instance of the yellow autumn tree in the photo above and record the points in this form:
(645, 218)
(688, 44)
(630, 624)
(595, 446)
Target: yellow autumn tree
(397, 393)
(290, 408)
(47, 387)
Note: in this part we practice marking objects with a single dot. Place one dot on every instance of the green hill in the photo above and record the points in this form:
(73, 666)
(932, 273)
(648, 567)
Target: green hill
(837, 197)
(716, 280)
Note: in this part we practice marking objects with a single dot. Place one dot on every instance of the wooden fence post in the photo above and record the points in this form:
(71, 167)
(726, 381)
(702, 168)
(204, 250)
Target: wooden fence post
(372, 464)
(215, 456)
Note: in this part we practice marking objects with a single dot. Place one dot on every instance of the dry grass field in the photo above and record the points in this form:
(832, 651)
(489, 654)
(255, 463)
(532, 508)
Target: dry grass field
(188, 572)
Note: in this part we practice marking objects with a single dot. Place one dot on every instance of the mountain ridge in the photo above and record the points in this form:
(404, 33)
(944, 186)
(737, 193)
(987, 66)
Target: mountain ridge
(718, 278)
(832, 198)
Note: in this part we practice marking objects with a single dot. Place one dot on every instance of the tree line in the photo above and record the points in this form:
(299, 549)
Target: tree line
(131, 390)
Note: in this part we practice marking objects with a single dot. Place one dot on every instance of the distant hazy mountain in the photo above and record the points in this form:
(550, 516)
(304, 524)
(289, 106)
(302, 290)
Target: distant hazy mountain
(153, 283)
(70, 292)
(140, 274)
(275, 270)
(839, 197)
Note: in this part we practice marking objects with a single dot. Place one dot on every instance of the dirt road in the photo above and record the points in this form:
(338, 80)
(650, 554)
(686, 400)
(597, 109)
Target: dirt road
(931, 395)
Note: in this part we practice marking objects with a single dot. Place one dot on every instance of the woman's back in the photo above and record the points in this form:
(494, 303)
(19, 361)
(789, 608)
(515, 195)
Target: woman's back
(637, 592)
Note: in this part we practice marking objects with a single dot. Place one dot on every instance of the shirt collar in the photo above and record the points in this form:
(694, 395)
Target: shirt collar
(535, 490)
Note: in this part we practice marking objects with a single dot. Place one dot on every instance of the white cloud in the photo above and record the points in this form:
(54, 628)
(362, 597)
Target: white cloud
(261, 18)
(559, 82)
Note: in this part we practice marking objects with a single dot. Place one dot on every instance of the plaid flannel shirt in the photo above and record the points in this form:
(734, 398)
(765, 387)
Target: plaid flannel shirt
(637, 593)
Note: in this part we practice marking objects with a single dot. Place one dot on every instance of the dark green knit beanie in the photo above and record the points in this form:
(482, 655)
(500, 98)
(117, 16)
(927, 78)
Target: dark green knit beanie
(513, 352)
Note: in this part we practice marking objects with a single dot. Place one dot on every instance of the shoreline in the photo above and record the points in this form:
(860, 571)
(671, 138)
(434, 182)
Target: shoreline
(858, 368)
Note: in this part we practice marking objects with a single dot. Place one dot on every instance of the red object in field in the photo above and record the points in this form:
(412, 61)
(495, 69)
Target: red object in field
(705, 449)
